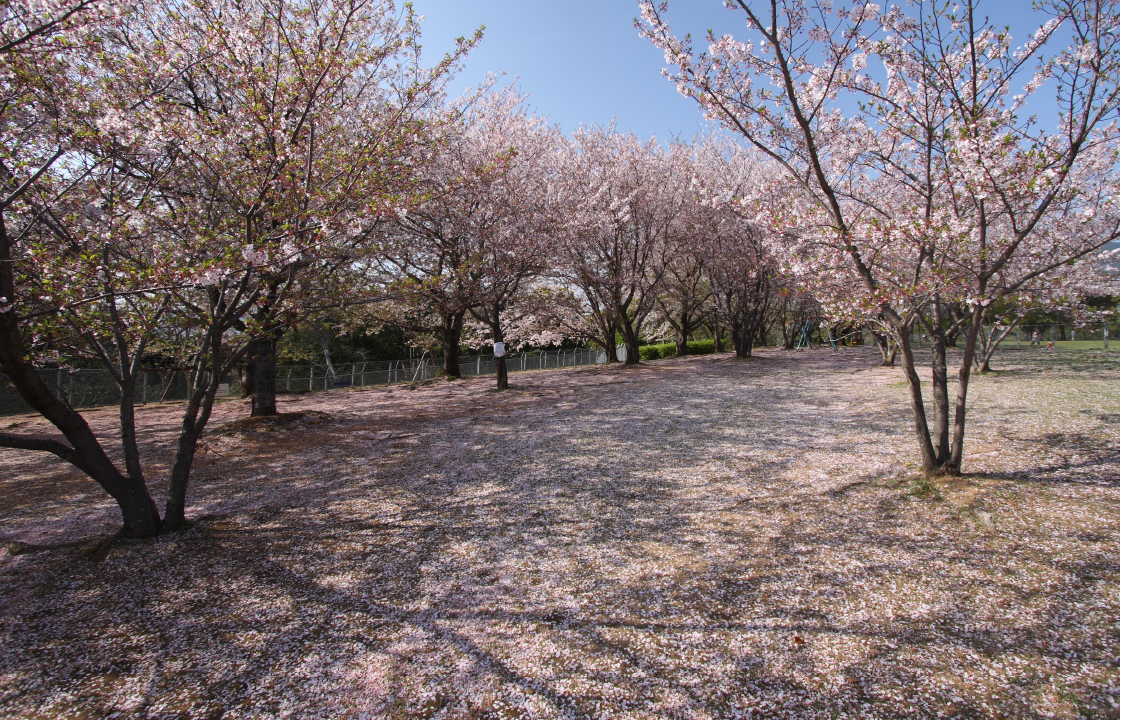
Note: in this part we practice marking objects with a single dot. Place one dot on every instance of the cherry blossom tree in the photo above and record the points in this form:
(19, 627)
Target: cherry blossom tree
(49, 86)
(732, 185)
(435, 257)
(622, 200)
(209, 163)
(936, 192)
(521, 242)
(323, 110)
(686, 298)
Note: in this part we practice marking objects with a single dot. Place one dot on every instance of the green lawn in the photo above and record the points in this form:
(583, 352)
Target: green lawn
(1009, 343)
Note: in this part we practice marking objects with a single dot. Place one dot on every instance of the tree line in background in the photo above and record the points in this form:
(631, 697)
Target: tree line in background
(201, 182)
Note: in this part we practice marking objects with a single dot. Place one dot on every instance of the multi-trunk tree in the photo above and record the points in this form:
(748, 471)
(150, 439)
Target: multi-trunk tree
(928, 188)
(207, 162)
(622, 199)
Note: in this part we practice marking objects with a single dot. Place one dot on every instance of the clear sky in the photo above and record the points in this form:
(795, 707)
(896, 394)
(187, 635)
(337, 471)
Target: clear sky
(582, 61)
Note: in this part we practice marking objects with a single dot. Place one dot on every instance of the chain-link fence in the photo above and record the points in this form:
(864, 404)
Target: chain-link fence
(318, 378)
(1060, 335)
(96, 388)
(1021, 335)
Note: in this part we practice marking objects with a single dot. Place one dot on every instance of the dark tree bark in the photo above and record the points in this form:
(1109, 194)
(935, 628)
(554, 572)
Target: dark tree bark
(630, 340)
(451, 330)
(741, 343)
(792, 335)
(762, 332)
(682, 336)
(494, 319)
(928, 458)
(607, 338)
(941, 446)
(745, 309)
(247, 376)
(959, 431)
(939, 398)
(610, 354)
(501, 374)
(265, 380)
(205, 378)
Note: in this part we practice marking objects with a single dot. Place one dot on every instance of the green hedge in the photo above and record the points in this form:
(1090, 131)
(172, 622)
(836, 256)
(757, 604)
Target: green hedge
(665, 350)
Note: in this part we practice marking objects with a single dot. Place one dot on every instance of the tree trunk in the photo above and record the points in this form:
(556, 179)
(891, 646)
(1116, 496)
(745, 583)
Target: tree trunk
(450, 341)
(265, 380)
(761, 336)
(682, 340)
(195, 417)
(989, 347)
(919, 413)
(742, 335)
(194, 420)
(247, 376)
(610, 354)
(791, 335)
(497, 336)
(631, 342)
(939, 397)
(128, 425)
(500, 373)
(886, 346)
(954, 466)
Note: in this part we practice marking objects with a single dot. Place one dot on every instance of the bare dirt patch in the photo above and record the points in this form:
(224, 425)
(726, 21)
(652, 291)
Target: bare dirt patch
(694, 538)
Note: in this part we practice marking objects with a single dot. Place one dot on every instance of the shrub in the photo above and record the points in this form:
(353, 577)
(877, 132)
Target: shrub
(665, 350)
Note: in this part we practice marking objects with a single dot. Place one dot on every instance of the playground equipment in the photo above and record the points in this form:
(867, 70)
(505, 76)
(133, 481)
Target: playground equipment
(804, 339)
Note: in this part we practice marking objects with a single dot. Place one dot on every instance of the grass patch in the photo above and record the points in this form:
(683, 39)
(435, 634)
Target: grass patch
(666, 350)
(925, 487)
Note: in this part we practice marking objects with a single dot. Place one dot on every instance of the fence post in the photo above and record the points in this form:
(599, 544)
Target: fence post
(143, 388)
(478, 359)
(288, 381)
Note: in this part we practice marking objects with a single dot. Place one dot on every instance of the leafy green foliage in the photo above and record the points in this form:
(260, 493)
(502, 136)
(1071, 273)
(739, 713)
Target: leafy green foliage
(665, 350)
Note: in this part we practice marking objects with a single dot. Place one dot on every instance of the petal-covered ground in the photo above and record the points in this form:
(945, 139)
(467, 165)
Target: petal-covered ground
(694, 538)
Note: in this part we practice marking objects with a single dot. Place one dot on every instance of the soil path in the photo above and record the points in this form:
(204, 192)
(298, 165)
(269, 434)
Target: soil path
(700, 537)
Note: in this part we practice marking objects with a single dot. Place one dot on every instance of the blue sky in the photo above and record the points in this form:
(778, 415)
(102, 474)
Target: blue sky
(582, 61)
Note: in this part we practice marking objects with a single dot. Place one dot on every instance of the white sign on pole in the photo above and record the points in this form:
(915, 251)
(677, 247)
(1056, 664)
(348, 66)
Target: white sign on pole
(500, 349)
